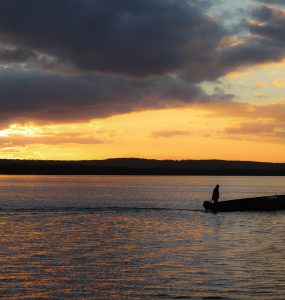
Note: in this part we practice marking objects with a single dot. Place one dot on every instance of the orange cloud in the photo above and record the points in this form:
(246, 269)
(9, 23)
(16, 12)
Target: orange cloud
(261, 84)
(259, 95)
(279, 82)
(170, 133)
(274, 112)
(233, 75)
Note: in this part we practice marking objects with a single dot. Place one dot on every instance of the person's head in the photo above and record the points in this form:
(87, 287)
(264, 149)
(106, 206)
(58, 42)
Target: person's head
(217, 186)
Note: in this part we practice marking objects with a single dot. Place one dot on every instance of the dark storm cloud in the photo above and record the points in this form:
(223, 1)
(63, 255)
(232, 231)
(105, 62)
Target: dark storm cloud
(265, 41)
(135, 38)
(15, 55)
(109, 57)
(123, 56)
(261, 40)
(272, 26)
(27, 94)
(255, 51)
(280, 2)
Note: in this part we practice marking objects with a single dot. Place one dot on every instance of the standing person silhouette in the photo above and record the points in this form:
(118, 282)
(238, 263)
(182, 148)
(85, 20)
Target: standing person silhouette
(216, 194)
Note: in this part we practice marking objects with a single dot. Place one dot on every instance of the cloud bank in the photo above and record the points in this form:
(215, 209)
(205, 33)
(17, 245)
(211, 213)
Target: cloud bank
(74, 60)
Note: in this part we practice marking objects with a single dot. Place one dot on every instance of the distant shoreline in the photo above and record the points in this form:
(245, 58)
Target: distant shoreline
(135, 166)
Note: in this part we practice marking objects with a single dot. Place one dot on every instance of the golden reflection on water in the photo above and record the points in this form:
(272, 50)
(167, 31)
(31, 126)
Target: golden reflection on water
(137, 253)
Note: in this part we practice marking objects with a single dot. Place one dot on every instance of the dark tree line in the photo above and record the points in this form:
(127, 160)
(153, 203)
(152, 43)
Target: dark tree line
(131, 166)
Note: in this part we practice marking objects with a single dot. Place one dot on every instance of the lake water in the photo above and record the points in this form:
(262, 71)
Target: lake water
(138, 237)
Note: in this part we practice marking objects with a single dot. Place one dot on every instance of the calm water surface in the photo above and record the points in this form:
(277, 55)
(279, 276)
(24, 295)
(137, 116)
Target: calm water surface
(138, 237)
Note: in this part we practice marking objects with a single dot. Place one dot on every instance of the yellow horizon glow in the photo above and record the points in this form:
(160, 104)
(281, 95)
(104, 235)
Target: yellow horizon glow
(197, 132)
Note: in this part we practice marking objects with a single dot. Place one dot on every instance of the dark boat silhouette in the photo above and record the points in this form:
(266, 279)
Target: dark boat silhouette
(267, 203)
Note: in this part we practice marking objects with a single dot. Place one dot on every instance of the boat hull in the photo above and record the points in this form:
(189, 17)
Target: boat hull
(268, 203)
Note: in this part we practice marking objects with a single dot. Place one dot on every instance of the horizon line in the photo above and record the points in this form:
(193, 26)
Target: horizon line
(139, 158)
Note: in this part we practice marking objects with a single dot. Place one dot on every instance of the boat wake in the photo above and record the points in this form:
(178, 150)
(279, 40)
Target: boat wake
(76, 209)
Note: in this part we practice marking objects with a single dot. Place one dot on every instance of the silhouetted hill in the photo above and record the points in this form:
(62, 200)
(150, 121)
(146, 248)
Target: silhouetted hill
(135, 166)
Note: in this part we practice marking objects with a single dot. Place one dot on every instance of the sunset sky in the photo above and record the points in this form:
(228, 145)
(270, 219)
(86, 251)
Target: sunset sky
(162, 79)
